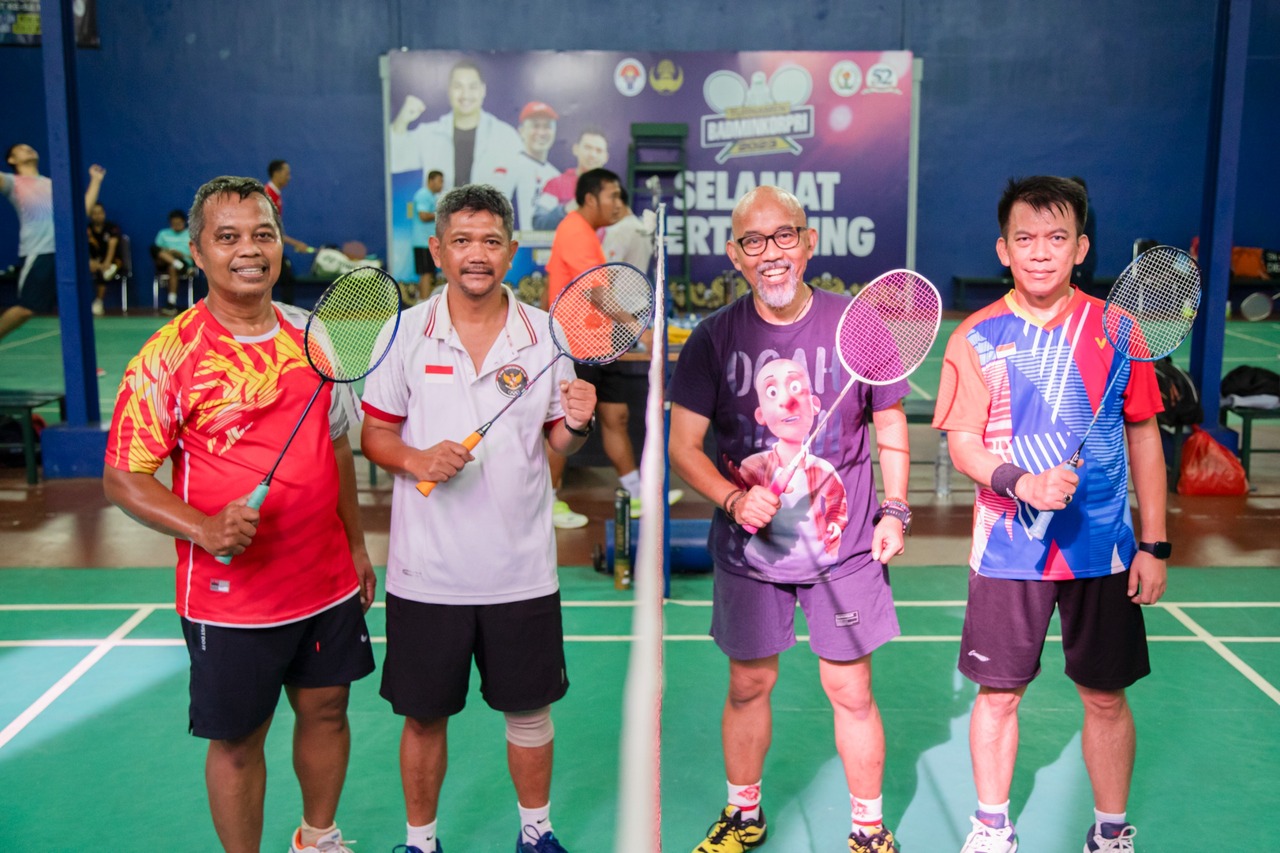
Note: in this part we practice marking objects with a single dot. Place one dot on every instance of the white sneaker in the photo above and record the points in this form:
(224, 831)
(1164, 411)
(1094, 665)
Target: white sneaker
(96, 308)
(110, 272)
(331, 843)
(1123, 843)
(988, 839)
(566, 519)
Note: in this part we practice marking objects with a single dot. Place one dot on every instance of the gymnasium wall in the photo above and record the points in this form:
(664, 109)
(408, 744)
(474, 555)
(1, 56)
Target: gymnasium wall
(1111, 91)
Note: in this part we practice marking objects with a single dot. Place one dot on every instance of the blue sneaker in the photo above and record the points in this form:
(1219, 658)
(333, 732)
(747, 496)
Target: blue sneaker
(1114, 838)
(530, 842)
(409, 848)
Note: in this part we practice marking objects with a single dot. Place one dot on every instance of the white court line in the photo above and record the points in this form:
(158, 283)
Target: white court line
(52, 333)
(1252, 339)
(1229, 656)
(160, 642)
(100, 649)
(675, 602)
(914, 387)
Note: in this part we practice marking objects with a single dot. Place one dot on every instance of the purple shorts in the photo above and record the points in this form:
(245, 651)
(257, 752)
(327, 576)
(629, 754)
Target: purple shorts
(848, 617)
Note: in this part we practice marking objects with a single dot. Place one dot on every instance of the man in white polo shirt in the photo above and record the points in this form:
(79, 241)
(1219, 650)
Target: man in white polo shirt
(471, 570)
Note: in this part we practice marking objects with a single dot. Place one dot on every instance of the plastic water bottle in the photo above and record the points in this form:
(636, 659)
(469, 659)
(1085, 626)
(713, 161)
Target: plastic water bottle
(622, 539)
(942, 468)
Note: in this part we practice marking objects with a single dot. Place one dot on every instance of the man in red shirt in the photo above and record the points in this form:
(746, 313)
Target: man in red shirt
(217, 391)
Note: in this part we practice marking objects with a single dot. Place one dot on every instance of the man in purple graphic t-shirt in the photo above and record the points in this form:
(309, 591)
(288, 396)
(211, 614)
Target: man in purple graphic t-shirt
(756, 373)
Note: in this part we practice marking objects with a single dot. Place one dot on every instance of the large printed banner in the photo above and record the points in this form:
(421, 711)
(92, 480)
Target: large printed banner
(20, 22)
(832, 127)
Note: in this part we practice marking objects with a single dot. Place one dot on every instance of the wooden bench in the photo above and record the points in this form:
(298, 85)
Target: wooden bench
(1247, 416)
(22, 406)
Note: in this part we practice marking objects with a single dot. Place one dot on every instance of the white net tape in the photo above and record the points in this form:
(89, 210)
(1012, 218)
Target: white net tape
(639, 801)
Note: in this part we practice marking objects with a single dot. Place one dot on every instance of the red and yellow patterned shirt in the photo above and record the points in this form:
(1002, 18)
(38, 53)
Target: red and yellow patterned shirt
(221, 409)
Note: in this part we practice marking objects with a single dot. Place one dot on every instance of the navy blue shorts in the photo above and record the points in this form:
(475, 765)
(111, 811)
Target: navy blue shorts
(237, 673)
(423, 263)
(518, 648)
(38, 284)
(1104, 636)
(613, 384)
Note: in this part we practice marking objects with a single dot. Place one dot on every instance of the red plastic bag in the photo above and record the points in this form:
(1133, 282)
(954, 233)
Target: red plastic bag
(1208, 468)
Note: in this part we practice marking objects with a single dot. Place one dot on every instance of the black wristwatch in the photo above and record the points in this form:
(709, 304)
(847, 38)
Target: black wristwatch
(1159, 550)
(585, 431)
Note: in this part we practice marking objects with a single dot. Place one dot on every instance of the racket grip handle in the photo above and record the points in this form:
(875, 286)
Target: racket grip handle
(776, 486)
(426, 486)
(1041, 525)
(256, 497)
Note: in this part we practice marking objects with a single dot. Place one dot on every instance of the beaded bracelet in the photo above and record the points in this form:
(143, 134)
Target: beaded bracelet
(733, 505)
(895, 508)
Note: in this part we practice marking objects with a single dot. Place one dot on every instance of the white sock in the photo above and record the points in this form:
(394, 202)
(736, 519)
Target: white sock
(309, 834)
(868, 815)
(539, 819)
(422, 837)
(1101, 817)
(631, 482)
(746, 798)
(995, 815)
(173, 299)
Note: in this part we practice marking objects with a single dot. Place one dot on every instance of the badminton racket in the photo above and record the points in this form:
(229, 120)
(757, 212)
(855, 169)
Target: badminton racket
(347, 335)
(1256, 306)
(884, 335)
(597, 317)
(1148, 314)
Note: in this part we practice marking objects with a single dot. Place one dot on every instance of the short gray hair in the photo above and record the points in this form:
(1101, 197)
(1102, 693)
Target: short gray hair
(477, 198)
(226, 185)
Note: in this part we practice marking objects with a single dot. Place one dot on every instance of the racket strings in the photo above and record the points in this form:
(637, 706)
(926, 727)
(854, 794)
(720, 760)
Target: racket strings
(602, 313)
(889, 327)
(1153, 304)
(344, 329)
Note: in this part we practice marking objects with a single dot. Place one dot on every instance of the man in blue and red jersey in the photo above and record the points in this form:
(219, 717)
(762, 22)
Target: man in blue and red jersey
(1021, 382)
(217, 391)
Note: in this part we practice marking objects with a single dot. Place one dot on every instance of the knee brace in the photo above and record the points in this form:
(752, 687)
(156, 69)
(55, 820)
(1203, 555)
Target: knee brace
(530, 729)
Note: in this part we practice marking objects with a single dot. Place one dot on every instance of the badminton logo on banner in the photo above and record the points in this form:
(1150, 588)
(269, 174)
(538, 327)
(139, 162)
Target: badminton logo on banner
(833, 127)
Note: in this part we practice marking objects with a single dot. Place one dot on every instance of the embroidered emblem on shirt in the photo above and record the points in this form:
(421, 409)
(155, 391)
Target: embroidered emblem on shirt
(511, 380)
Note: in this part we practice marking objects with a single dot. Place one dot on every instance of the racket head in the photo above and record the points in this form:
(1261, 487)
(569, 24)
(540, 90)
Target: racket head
(889, 327)
(351, 328)
(602, 313)
(1153, 304)
(1256, 306)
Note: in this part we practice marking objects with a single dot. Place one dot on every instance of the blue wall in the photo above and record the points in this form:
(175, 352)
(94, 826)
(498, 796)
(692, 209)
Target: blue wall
(1111, 91)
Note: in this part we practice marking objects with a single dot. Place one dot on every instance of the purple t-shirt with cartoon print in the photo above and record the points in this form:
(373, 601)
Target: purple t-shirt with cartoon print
(754, 380)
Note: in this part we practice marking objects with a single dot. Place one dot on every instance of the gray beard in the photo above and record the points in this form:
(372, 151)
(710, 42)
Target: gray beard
(779, 297)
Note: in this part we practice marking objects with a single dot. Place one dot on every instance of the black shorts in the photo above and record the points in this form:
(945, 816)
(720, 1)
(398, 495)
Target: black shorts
(38, 283)
(237, 673)
(518, 648)
(423, 263)
(1104, 636)
(613, 383)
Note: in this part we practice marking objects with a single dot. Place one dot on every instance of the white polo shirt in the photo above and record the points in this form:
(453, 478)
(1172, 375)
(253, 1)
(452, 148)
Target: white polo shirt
(485, 536)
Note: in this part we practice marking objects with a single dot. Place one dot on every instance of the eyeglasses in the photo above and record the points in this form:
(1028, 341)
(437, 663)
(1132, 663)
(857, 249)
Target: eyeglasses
(784, 238)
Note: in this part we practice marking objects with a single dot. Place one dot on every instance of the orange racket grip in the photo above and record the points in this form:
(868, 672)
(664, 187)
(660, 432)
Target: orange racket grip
(470, 442)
